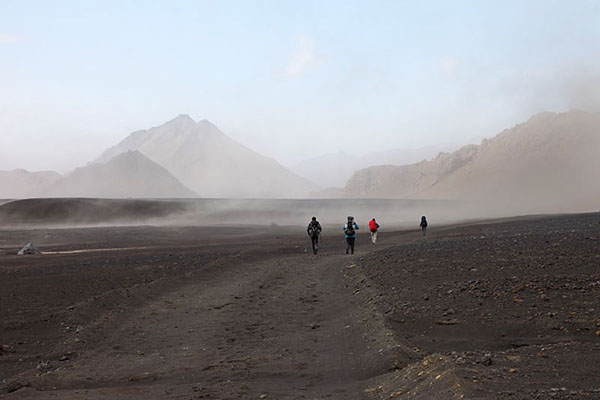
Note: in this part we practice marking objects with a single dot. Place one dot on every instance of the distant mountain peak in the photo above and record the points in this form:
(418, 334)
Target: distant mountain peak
(184, 117)
(207, 161)
(180, 120)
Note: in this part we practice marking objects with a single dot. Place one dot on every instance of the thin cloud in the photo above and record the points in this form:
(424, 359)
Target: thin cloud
(303, 57)
(8, 38)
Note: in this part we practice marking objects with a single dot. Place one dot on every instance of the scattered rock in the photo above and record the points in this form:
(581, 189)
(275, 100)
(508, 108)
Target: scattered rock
(28, 249)
(447, 322)
(486, 359)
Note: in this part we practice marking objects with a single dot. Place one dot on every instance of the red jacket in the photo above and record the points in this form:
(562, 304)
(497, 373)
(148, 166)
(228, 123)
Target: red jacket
(373, 226)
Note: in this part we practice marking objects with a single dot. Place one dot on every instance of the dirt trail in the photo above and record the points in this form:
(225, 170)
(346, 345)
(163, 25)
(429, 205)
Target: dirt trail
(286, 327)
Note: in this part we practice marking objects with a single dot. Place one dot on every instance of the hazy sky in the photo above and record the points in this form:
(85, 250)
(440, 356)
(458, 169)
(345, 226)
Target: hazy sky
(288, 79)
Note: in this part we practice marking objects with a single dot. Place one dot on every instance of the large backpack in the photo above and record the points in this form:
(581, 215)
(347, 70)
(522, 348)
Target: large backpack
(313, 229)
(350, 228)
(373, 225)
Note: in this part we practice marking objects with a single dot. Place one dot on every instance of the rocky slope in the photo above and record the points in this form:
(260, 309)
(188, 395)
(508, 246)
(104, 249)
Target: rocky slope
(410, 180)
(334, 169)
(549, 163)
(210, 163)
(130, 174)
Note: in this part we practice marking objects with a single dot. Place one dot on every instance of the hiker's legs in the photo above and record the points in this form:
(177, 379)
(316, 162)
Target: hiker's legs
(424, 229)
(315, 244)
(351, 243)
(374, 237)
(348, 245)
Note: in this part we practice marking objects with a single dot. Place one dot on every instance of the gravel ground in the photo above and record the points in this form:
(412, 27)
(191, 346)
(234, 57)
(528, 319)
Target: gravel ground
(498, 309)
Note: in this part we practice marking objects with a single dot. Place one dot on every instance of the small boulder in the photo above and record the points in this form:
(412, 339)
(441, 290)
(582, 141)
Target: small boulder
(485, 359)
(29, 248)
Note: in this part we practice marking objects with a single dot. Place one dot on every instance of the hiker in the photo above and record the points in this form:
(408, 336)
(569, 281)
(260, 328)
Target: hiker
(423, 225)
(373, 226)
(314, 230)
(350, 229)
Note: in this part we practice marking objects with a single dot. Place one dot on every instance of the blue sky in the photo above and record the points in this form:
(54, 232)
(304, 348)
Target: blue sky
(290, 79)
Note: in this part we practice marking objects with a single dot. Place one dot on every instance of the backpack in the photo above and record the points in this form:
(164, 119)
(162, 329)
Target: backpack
(373, 226)
(350, 228)
(313, 229)
(423, 222)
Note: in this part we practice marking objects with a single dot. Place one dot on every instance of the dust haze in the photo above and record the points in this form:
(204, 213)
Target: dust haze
(547, 164)
(273, 214)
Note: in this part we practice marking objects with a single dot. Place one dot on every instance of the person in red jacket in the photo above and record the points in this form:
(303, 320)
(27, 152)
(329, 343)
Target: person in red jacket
(373, 226)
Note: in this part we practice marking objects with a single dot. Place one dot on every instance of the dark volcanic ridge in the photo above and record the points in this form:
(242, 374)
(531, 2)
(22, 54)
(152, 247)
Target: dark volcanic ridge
(31, 213)
(82, 211)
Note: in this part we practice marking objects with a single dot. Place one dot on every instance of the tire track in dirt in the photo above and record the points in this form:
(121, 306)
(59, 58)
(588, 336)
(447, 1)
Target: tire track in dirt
(283, 327)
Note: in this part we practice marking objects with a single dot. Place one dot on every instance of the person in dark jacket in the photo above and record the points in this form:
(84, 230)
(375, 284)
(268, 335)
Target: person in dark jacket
(314, 230)
(423, 225)
(350, 229)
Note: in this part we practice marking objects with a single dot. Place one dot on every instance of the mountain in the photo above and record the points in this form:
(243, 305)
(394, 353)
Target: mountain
(550, 161)
(129, 174)
(210, 163)
(19, 183)
(390, 181)
(334, 169)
